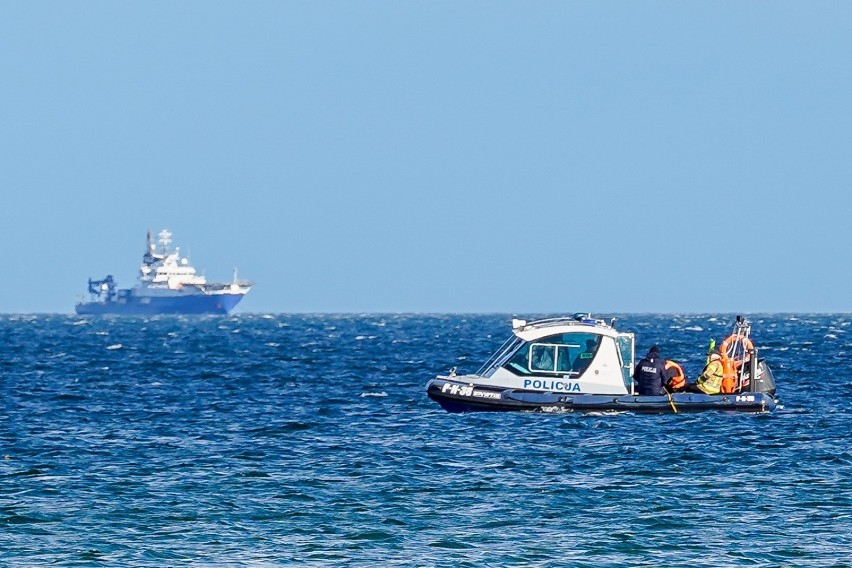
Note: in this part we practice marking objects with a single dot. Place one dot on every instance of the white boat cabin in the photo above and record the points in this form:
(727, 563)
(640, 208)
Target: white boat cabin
(572, 355)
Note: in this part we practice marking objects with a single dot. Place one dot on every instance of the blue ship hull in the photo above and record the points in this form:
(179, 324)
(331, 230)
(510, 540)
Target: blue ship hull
(196, 304)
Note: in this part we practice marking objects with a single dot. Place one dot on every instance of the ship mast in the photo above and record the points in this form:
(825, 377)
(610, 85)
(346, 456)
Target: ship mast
(165, 240)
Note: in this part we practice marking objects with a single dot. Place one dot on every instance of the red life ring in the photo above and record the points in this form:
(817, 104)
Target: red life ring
(727, 348)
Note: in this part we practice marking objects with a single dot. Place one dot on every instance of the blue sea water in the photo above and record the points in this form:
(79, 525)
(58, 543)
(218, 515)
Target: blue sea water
(272, 440)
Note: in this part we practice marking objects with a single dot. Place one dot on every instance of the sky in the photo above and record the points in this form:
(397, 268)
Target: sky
(440, 156)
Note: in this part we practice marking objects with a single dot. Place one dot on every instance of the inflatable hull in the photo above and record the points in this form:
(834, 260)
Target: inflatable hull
(455, 396)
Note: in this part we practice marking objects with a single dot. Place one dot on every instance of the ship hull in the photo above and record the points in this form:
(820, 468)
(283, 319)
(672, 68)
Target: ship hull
(456, 396)
(196, 304)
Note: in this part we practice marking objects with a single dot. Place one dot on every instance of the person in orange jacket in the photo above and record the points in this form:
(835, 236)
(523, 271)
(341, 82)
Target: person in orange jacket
(675, 377)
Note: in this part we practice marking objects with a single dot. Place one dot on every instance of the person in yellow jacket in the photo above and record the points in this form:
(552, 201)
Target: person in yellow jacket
(710, 379)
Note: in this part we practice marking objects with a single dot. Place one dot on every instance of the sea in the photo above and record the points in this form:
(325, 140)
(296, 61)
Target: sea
(308, 440)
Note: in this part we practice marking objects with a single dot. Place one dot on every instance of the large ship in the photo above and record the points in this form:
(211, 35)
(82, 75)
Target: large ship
(168, 284)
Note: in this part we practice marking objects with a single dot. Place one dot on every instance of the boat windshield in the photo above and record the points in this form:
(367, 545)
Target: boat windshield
(500, 356)
(560, 354)
(626, 355)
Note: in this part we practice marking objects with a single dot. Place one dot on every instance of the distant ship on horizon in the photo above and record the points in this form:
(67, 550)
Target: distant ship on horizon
(168, 284)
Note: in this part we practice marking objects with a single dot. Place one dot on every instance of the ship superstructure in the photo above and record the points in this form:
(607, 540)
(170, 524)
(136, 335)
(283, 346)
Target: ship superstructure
(167, 284)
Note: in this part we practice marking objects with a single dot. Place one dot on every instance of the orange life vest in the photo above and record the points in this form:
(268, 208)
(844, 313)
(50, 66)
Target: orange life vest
(736, 350)
(729, 375)
(677, 379)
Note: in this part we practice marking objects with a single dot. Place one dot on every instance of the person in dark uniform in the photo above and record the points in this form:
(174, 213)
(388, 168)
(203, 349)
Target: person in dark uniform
(650, 374)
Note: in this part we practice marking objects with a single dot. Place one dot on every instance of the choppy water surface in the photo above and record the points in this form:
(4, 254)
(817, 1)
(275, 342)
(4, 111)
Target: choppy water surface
(275, 440)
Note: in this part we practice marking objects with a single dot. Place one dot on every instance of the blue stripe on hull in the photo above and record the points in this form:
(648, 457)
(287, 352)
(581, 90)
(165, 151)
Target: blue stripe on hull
(217, 304)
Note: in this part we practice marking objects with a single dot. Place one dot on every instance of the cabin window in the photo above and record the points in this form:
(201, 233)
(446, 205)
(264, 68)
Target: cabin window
(549, 358)
(561, 354)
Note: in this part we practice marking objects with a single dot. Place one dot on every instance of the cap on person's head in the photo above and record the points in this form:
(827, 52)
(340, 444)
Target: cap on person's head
(654, 349)
(714, 354)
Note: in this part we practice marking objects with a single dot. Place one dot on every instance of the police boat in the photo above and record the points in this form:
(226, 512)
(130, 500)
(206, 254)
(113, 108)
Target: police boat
(581, 363)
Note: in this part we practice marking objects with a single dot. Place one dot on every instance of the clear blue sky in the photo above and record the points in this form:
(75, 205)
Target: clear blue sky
(434, 156)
